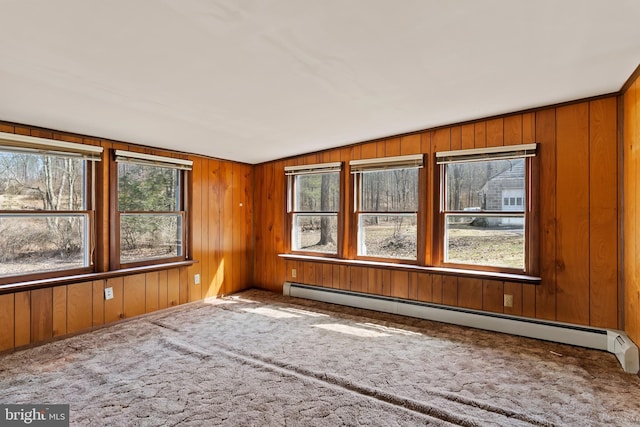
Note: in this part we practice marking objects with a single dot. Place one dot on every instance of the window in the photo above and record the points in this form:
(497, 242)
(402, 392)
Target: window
(46, 204)
(386, 206)
(314, 205)
(151, 209)
(484, 206)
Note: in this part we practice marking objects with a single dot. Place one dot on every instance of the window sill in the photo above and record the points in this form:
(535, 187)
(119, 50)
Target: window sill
(477, 274)
(67, 280)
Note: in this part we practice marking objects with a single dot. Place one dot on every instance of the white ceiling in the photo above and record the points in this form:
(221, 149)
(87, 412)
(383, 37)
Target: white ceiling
(257, 80)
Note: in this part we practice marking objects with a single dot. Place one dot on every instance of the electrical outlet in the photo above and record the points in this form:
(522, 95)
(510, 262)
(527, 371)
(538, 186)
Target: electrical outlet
(508, 300)
(108, 293)
(294, 273)
(196, 279)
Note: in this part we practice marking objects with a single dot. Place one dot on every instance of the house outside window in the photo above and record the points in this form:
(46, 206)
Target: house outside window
(46, 207)
(484, 206)
(386, 206)
(314, 207)
(150, 216)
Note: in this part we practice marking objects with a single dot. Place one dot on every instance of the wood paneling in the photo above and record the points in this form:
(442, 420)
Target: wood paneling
(573, 213)
(631, 214)
(98, 302)
(133, 295)
(113, 308)
(59, 311)
(7, 320)
(79, 313)
(22, 318)
(152, 291)
(41, 314)
(574, 176)
(603, 203)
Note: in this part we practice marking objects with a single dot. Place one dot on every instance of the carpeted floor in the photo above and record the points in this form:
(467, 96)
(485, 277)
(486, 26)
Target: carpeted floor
(261, 359)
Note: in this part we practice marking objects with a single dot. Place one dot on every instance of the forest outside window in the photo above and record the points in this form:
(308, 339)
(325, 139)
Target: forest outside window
(151, 209)
(46, 207)
(386, 206)
(314, 207)
(484, 206)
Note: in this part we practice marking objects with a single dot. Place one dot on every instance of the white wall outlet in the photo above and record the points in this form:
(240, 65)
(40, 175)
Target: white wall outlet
(508, 300)
(108, 293)
(294, 273)
(196, 279)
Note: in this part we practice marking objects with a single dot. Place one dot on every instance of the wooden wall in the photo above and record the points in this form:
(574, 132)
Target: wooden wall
(221, 215)
(578, 257)
(631, 224)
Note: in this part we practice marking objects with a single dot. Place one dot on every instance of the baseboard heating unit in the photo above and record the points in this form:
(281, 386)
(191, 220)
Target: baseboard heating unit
(613, 341)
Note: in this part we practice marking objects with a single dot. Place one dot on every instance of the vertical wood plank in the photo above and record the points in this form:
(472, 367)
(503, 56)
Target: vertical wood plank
(7, 320)
(163, 296)
(495, 132)
(41, 314)
(386, 282)
(59, 311)
(152, 291)
(173, 287)
(493, 296)
(545, 300)
(437, 282)
(98, 302)
(470, 293)
(528, 128)
(450, 290)
(392, 147)
(374, 281)
(603, 213)
(468, 137)
(184, 284)
(425, 287)
(113, 308)
(410, 144)
(327, 275)
(357, 283)
(480, 138)
(400, 284)
(513, 130)
(22, 318)
(573, 213)
(456, 138)
(134, 295)
(413, 285)
(80, 306)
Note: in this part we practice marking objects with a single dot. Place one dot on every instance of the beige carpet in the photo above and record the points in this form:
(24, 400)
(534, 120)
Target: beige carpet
(260, 359)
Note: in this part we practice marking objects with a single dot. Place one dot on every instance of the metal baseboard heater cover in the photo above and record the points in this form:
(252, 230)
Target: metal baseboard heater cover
(613, 341)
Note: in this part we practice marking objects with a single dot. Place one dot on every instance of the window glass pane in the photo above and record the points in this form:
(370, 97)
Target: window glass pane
(41, 182)
(147, 188)
(388, 236)
(150, 236)
(39, 243)
(315, 233)
(493, 241)
(317, 192)
(393, 190)
(492, 185)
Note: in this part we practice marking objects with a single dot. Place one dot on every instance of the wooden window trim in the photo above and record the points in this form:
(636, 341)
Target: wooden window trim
(114, 214)
(358, 167)
(530, 214)
(291, 172)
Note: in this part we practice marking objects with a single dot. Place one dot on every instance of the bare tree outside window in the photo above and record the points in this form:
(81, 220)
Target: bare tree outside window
(316, 203)
(43, 221)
